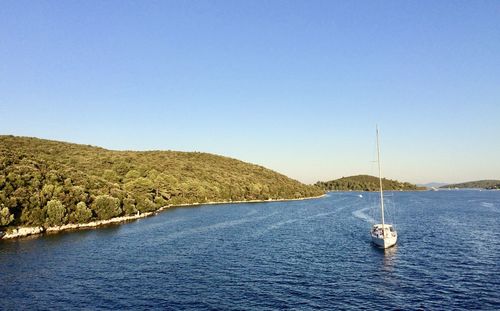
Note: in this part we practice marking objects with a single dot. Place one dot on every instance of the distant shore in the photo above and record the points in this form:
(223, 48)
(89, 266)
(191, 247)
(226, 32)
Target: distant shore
(21, 232)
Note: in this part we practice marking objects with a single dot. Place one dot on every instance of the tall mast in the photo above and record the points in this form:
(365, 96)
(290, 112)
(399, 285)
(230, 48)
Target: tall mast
(380, 181)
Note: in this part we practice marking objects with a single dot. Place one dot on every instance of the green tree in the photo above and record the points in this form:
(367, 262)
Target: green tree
(129, 206)
(82, 213)
(106, 207)
(55, 213)
(140, 185)
(145, 205)
(160, 201)
(143, 191)
(33, 216)
(5, 216)
(49, 192)
(111, 176)
(152, 174)
(132, 174)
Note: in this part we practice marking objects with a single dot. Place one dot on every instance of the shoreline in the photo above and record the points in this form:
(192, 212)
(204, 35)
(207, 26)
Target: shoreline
(21, 232)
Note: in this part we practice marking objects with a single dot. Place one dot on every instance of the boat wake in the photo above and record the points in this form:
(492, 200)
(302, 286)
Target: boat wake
(216, 226)
(279, 224)
(361, 214)
(322, 215)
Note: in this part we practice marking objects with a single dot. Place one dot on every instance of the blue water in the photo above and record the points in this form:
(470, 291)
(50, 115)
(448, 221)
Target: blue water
(301, 255)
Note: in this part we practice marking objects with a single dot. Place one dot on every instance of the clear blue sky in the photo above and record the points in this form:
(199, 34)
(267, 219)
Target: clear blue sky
(296, 86)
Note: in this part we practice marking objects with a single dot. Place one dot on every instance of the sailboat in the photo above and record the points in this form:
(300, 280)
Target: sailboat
(383, 235)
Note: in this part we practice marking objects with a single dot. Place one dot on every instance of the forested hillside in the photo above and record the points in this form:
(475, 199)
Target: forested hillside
(486, 184)
(365, 183)
(48, 183)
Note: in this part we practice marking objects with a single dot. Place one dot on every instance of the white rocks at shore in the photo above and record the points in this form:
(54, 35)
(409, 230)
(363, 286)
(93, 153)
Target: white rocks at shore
(97, 222)
(23, 231)
(27, 231)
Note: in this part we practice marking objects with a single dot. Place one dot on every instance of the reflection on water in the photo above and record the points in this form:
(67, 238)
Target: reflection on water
(389, 258)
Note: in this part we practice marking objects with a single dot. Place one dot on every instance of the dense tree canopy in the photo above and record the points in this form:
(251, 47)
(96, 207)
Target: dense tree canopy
(365, 183)
(47, 183)
(486, 184)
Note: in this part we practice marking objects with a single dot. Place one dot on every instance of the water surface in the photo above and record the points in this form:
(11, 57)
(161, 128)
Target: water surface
(312, 254)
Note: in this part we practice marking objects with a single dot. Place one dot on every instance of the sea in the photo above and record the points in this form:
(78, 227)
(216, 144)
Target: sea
(295, 255)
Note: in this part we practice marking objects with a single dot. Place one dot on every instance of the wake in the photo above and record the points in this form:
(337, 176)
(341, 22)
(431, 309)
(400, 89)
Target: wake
(361, 214)
(279, 224)
(217, 226)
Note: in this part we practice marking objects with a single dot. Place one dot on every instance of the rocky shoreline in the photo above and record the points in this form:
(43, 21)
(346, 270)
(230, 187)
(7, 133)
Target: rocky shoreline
(27, 231)
(20, 232)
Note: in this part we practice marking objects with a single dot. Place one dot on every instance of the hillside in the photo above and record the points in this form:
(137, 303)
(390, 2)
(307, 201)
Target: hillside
(365, 183)
(485, 184)
(47, 183)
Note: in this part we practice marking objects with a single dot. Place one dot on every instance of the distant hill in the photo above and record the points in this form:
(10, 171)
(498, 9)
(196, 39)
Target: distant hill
(46, 183)
(365, 183)
(484, 184)
(432, 185)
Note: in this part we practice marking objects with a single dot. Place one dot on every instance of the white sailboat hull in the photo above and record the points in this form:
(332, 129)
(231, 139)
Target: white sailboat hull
(384, 235)
(384, 243)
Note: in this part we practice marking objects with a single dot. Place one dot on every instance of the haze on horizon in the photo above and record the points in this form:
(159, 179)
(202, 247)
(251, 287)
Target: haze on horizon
(297, 87)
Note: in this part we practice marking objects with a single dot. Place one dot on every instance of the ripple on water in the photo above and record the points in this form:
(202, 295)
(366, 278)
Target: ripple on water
(285, 255)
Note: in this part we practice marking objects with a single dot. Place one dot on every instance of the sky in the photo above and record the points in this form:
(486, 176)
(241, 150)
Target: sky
(295, 86)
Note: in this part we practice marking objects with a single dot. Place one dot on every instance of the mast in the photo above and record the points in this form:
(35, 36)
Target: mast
(380, 181)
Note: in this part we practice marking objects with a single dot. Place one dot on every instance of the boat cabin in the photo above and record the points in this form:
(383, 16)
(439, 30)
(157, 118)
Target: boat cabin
(388, 230)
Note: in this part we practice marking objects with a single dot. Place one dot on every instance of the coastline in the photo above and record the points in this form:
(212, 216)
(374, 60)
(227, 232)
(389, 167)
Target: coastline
(20, 232)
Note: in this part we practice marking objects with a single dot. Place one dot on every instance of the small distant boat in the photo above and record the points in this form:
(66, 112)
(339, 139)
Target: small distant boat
(360, 195)
(383, 235)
